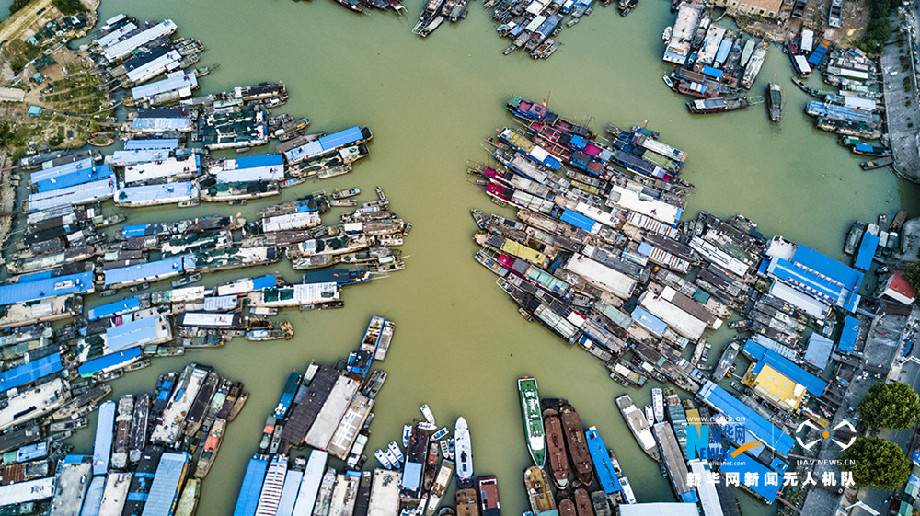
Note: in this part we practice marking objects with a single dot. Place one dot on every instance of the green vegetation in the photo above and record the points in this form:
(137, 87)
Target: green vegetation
(876, 462)
(890, 405)
(913, 274)
(68, 7)
(879, 29)
(17, 5)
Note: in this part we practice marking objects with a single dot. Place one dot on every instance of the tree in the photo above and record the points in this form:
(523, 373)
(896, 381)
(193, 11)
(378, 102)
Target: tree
(890, 405)
(68, 7)
(17, 5)
(876, 462)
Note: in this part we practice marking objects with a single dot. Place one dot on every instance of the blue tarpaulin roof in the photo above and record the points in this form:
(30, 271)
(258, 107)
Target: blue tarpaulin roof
(150, 270)
(744, 463)
(412, 475)
(40, 289)
(264, 282)
(131, 333)
(756, 347)
(790, 370)
(578, 220)
(819, 350)
(30, 371)
(125, 356)
(603, 466)
(808, 257)
(849, 334)
(35, 276)
(264, 160)
(117, 308)
(103, 444)
(162, 143)
(248, 500)
(832, 284)
(756, 426)
(165, 488)
(866, 251)
(712, 72)
(646, 319)
(325, 144)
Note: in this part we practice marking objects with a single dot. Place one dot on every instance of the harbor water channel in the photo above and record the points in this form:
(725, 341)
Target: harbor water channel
(460, 344)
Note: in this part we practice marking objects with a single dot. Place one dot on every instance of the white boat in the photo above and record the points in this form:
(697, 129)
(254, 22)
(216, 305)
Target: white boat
(658, 404)
(407, 433)
(463, 452)
(426, 412)
(394, 449)
(383, 459)
(649, 415)
(440, 434)
(667, 80)
(445, 449)
(392, 457)
(666, 35)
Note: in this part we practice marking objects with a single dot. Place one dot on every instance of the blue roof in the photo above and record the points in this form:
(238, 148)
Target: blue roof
(137, 156)
(103, 447)
(176, 82)
(149, 270)
(712, 72)
(341, 138)
(32, 451)
(77, 177)
(756, 426)
(577, 219)
(744, 463)
(603, 466)
(61, 170)
(33, 276)
(161, 124)
(808, 257)
(645, 249)
(162, 192)
(40, 289)
(341, 277)
(263, 160)
(819, 350)
(131, 333)
(264, 282)
(412, 475)
(791, 370)
(649, 321)
(117, 308)
(93, 499)
(248, 500)
(30, 371)
(578, 142)
(163, 143)
(849, 335)
(111, 360)
(827, 280)
(165, 488)
(866, 251)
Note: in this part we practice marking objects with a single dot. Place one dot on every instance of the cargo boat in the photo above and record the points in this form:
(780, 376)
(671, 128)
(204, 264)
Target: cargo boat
(466, 502)
(538, 491)
(638, 426)
(210, 448)
(602, 463)
(876, 163)
(533, 419)
(287, 395)
(774, 102)
(717, 105)
(583, 505)
(578, 449)
(441, 481)
(726, 362)
(489, 497)
(555, 443)
(138, 428)
(463, 453)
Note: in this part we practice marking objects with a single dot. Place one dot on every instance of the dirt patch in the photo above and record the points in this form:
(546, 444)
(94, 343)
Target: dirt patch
(855, 20)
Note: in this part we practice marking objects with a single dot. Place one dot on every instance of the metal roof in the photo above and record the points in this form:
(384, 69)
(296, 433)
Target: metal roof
(867, 248)
(110, 361)
(154, 143)
(79, 194)
(157, 194)
(135, 332)
(14, 293)
(819, 350)
(849, 335)
(130, 304)
(756, 426)
(60, 170)
(658, 509)
(648, 321)
(248, 499)
(789, 369)
(135, 156)
(164, 491)
(744, 463)
(103, 444)
(175, 81)
(30, 371)
(75, 178)
(150, 270)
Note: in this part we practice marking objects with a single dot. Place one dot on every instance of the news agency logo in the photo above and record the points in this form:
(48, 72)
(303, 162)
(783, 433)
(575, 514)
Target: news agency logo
(715, 446)
(826, 435)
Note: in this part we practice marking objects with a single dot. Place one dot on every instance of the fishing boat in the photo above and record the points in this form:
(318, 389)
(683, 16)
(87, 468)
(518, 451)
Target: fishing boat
(666, 34)
(440, 434)
(210, 448)
(774, 102)
(394, 448)
(555, 443)
(489, 497)
(876, 163)
(726, 361)
(747, 51)
(345, 194)
(187, 280)
(754, 65)
(464, 453)
(579, 454)
(407, 433)
(667, 80)
(293, 181)
(649, 415)
(854, 237)
(382, 458)
(466, 502)
(638, 425)
(533, 419)
(426, 413)
(441, 481)
(538, 490)
(658, 404)
(717, 104)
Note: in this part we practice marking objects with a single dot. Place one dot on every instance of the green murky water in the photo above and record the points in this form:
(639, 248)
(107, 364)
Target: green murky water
(459, 343)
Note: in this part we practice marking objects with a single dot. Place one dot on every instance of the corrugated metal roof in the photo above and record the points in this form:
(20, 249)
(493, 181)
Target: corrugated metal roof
(44, 288)
(164, 491)
(135, 156)
(132, 333)
(124, 356)
(30, 371)
(867, 248)
(412, 475)
(248, 499)
(757, 426)
(75, 178)
(649, 321)
(154, 143)
(60, 170)
(578, 220)
(130, 304)
(849, 335)
(149, 270)
(79, 194)
(658, 509)
(157, 194)
(175, 82)
(819, 350)
(103, 444)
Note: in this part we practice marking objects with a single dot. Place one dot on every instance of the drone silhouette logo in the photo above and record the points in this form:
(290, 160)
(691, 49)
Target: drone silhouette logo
(826, 435)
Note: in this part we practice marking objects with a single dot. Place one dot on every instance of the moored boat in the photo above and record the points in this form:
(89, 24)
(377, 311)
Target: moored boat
(658, 404)
(533, 419)
(774, 102)
(555, 444)
(489, 497)
(538, 491)
(717, 104)
(463, 453)
(579, 454)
